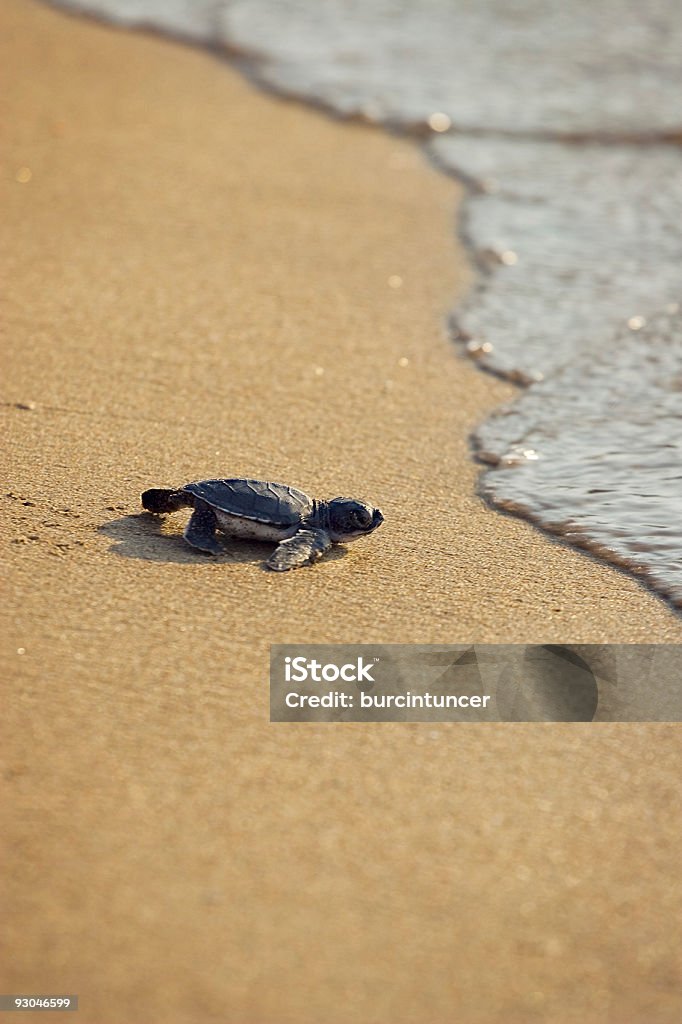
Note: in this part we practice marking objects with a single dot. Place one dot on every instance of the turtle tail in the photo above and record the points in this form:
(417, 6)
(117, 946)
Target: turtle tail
(159, 499)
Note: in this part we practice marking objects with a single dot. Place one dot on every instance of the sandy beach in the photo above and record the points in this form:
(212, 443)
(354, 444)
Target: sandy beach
(202, 283)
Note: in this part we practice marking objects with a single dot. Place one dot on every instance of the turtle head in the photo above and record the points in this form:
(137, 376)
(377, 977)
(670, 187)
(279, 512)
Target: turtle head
(350, 519)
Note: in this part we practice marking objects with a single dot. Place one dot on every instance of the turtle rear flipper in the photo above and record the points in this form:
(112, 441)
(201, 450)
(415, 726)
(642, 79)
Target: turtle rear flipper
(161, 499)
(303, 548)
(200, 530)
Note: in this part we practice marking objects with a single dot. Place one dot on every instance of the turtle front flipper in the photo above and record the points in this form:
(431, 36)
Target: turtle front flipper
(200, 530)
(304, 548)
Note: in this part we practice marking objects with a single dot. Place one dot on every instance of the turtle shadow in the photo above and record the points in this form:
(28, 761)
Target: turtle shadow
(141, 537)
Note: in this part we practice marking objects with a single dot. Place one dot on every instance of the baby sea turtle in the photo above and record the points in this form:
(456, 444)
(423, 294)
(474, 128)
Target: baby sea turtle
(258, 510)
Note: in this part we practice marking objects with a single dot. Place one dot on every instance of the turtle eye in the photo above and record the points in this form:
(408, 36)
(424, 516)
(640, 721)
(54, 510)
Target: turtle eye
(363, 517)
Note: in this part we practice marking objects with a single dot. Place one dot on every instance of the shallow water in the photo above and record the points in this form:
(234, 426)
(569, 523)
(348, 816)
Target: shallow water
(566, 123)
(595, 457)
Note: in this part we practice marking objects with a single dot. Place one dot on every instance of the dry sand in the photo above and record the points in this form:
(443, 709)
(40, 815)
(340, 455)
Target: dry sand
(199, 286)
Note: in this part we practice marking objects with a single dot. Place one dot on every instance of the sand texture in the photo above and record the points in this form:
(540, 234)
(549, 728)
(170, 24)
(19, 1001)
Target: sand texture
(198, 286)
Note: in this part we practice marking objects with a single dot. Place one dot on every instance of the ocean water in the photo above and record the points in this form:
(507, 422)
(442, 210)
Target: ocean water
(565, 122)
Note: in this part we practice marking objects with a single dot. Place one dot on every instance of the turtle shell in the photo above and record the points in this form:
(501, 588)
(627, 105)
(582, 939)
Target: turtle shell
(259, 500)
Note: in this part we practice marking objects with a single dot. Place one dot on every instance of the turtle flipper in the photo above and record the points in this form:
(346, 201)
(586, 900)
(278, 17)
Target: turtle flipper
(200, 530)
(303, 548)
(161, 499)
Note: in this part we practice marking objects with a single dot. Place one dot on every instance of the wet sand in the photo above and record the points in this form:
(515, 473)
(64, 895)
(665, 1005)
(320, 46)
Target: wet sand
(199, 286)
